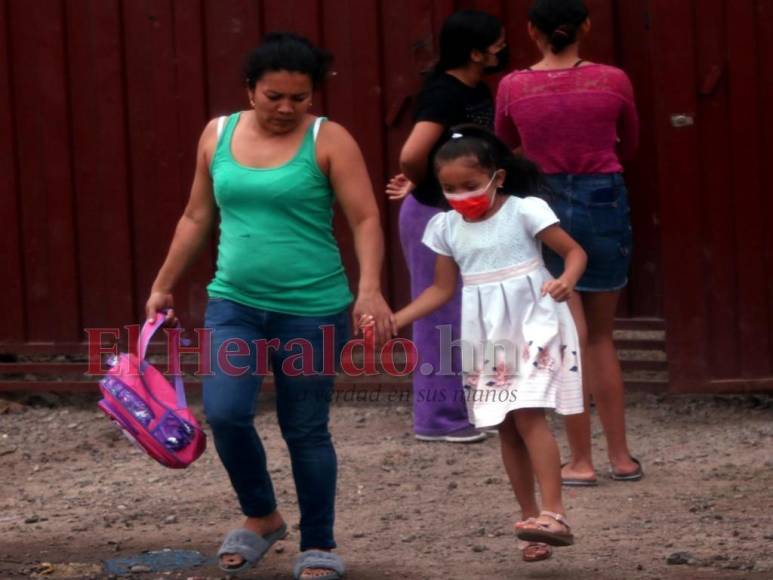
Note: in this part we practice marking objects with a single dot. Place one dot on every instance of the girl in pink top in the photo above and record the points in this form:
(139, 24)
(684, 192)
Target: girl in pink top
(577, 120)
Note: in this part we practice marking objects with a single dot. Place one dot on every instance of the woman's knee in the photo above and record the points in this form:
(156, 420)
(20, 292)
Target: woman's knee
(225, 416)
(299, 434)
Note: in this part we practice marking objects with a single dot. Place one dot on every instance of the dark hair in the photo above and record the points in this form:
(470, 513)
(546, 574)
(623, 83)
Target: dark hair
(463, 32)
(523, 177)
(289, 52)
(559, 20)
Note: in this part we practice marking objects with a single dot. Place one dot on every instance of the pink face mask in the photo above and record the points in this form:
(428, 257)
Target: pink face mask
(472, 204)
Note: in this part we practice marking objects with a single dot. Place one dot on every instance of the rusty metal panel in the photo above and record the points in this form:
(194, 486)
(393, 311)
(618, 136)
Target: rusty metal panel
(102, 103)
(715, 201)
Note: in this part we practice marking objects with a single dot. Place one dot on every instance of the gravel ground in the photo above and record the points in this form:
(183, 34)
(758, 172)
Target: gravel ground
(73, 492)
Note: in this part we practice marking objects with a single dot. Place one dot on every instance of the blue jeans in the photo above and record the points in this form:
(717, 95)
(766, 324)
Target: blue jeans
(594, 210)
(303, 403)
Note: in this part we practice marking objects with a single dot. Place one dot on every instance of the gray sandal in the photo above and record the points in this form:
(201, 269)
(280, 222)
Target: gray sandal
(319, 559)
(248, 545)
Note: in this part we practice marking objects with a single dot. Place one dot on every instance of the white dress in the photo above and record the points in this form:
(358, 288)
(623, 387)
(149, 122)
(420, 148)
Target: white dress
(519, 348)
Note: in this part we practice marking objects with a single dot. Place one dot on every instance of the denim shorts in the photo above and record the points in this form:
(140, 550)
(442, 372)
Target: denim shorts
(594, 210)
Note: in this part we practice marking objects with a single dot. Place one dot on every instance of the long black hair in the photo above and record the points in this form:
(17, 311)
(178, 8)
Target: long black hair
(559, 21)
(463, 32)
(523, 177)
(289, 52)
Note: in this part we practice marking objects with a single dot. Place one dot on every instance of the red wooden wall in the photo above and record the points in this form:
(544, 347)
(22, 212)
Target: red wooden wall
(716, 58)
(102, 102)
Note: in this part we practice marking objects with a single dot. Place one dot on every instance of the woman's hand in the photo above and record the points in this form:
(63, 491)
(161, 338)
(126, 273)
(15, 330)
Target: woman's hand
(559, 289)
(399, 187)
(158, 301)
(371, 311)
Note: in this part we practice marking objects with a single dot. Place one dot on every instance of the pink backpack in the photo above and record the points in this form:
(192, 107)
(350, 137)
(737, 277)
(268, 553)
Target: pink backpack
(152, 413)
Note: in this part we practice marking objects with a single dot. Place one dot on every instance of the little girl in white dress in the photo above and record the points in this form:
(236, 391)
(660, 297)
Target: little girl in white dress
(519, 342)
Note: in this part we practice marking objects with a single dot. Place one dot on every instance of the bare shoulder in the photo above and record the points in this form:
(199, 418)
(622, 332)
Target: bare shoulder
(208, 138)
(332, 133)
(335, 144)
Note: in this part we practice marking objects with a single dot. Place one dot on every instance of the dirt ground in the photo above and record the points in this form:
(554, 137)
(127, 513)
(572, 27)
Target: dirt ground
(73, 492)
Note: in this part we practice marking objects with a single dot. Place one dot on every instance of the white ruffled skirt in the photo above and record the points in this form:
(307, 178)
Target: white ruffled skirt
(520, 349)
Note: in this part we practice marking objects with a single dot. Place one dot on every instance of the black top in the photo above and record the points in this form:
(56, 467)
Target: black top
(448, 101)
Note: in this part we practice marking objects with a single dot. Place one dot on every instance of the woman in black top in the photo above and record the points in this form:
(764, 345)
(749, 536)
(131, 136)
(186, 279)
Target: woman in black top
(472, 44)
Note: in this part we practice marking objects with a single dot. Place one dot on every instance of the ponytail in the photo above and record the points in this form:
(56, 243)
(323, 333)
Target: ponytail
(559, 21)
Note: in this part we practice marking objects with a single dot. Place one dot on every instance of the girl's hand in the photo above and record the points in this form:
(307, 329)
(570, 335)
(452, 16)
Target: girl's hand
(398, 187)
(367, 324)
(558, 289)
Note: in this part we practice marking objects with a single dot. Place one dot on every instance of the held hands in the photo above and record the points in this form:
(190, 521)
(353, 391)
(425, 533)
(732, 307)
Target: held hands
(398, 187)
(560, 290)
(367, 324)
(381, 320)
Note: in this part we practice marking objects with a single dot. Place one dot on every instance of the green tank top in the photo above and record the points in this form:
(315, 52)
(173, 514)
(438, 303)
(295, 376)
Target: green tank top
(276, 250)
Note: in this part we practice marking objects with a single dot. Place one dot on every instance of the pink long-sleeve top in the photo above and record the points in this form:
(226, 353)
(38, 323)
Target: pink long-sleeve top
(580, 120)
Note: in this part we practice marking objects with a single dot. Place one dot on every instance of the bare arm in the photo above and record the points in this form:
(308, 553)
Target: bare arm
(574, 257)
(441, 291)
(415, 152)
(351, 183)
(192, 230)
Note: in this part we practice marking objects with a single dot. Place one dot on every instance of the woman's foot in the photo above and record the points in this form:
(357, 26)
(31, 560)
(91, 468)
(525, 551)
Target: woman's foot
(311, 573)
(261, 526)
(578, 474)
(629, 470)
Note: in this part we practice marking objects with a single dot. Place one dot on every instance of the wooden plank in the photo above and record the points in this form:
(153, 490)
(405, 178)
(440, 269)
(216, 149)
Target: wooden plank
(158, 191)
(756, 385)
(344, 386)
(232, 29)
(645, 288)
(441, 9)
(750, 226)
(716, 183)
(192, 116)
(685, 299)
(12, 292)
(301, 17)
(99, 162)
(523, 52)
(599, 46)
(353, 95)
(407, 45)
(11, 349)
(43, 143)
(493, 7)
(764, 32)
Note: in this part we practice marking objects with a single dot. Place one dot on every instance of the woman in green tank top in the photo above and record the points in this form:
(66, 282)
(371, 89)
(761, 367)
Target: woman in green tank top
(271, 174)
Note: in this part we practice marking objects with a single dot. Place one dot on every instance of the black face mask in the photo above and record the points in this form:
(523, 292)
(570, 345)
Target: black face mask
(503, 60)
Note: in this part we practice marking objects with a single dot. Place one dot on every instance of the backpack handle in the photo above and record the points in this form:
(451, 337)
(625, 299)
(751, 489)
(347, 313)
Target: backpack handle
(147, 332)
